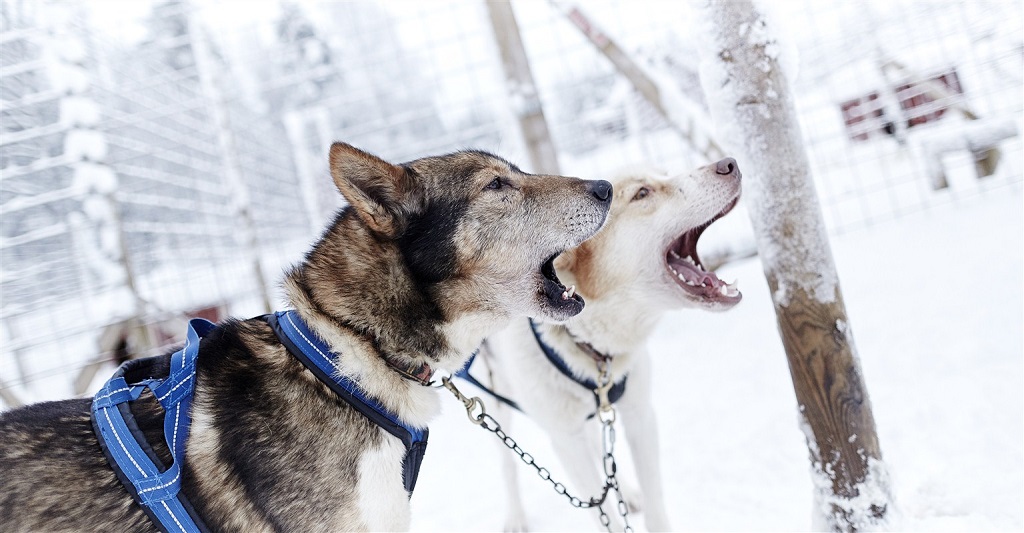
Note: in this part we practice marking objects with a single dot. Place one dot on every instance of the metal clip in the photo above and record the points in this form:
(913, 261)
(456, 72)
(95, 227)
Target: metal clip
(605, 409)
(471, 404)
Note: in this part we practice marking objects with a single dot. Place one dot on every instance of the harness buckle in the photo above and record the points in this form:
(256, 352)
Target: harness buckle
(603, 403)
(471, 404)
(605, 408)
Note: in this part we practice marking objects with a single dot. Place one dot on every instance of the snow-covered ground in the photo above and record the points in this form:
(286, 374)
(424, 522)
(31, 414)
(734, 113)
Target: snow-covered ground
(935, 304)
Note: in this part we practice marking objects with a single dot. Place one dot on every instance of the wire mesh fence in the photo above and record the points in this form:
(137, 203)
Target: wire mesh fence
(178, 171)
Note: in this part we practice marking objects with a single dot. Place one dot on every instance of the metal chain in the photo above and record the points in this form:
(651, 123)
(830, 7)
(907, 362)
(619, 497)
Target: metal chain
(606, 413)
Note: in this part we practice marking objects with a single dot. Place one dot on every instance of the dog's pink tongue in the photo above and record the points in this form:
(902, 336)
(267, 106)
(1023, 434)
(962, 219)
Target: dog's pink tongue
(692, 274)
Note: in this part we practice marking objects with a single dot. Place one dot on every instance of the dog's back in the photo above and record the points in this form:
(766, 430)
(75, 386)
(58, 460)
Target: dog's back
(55, 477)
(413, 274)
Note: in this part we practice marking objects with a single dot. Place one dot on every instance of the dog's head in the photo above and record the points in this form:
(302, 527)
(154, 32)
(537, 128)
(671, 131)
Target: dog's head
(475, 233)
(649, 247)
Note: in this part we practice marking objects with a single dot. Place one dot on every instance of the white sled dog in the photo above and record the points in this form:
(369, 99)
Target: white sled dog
(641, 265)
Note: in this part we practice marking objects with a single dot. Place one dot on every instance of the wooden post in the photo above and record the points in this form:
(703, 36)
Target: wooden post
(686, 126)
(749, 94)
(522, 90)
(232, 168)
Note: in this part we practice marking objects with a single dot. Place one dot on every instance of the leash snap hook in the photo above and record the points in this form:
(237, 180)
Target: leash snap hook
(605, 408)
(471, 404)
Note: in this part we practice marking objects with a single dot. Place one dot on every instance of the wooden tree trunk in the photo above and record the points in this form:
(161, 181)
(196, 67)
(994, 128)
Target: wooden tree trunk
(236, 184)
(750, 100)
(690, 128)
(522, 90)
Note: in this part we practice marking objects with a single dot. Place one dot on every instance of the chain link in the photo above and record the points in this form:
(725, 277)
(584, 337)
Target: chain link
(606, 414)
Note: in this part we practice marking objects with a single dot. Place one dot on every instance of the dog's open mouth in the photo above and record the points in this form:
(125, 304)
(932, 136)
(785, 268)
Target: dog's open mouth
(687, 271)
(558, 296)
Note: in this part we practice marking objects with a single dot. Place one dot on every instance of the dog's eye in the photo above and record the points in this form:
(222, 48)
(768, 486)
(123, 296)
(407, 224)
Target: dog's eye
(642, 193)
(495, 184)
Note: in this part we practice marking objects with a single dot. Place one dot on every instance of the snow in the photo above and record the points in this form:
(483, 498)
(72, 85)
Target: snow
(79, 111)
(872, 493)
(959, 134)
(95, 177)
(85, 144)
(941, 349)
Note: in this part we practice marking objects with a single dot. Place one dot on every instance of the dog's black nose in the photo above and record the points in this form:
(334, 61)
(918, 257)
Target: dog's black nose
(726, 167)
(602, 190)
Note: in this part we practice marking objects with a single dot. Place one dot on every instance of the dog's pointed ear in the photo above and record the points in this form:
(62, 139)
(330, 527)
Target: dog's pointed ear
(381, 193)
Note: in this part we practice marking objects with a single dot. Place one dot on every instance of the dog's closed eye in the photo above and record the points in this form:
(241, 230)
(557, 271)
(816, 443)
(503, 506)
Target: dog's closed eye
(641, 194)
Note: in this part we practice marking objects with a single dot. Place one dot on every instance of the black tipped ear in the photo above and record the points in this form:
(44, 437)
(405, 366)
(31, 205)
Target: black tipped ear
(380, 192)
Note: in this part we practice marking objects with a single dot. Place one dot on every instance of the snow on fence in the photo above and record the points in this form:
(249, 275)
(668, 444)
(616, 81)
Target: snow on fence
(164, 171)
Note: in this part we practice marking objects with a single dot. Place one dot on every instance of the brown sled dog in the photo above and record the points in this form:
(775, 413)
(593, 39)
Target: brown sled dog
(428, 258)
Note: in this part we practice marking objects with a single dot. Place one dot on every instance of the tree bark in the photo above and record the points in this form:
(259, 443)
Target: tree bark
(687, 126)
(522, 90)
(750, 99)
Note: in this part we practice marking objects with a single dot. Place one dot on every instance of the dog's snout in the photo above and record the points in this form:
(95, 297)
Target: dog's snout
(602, 190)
(727, 167)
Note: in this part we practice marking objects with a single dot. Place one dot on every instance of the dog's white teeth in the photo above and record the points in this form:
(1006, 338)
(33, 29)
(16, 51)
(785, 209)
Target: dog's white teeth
(690, 283)
(565, 295)
(572, 291)
(674, 254)
(690, 260)
(724, 289)
(703, 284)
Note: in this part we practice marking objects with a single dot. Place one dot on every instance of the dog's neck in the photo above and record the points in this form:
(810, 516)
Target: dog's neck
(353, 291)
(612, 324)
(358, 281)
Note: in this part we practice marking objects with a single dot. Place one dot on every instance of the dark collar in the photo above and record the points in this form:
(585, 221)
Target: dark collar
(418, 372)
(559, 362)
(317, 357)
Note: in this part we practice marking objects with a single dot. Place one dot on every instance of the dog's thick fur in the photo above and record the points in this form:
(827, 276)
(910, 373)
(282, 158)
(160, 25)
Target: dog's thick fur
(623, 274)
(428, 258)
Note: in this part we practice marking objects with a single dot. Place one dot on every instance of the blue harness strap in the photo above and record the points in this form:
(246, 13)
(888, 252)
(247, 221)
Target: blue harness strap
(157, 491)
(613, 394)
(317, 357)
(464, 374)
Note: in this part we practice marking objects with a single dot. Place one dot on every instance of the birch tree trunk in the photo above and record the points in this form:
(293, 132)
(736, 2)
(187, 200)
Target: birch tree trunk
(687, 122)
(521, 88)
(751, 102)
(246, 233)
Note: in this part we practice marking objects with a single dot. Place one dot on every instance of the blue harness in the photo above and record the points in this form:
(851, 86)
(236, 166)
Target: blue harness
(133, 460)
(313, 352)
(137, 465)
(556, 359)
